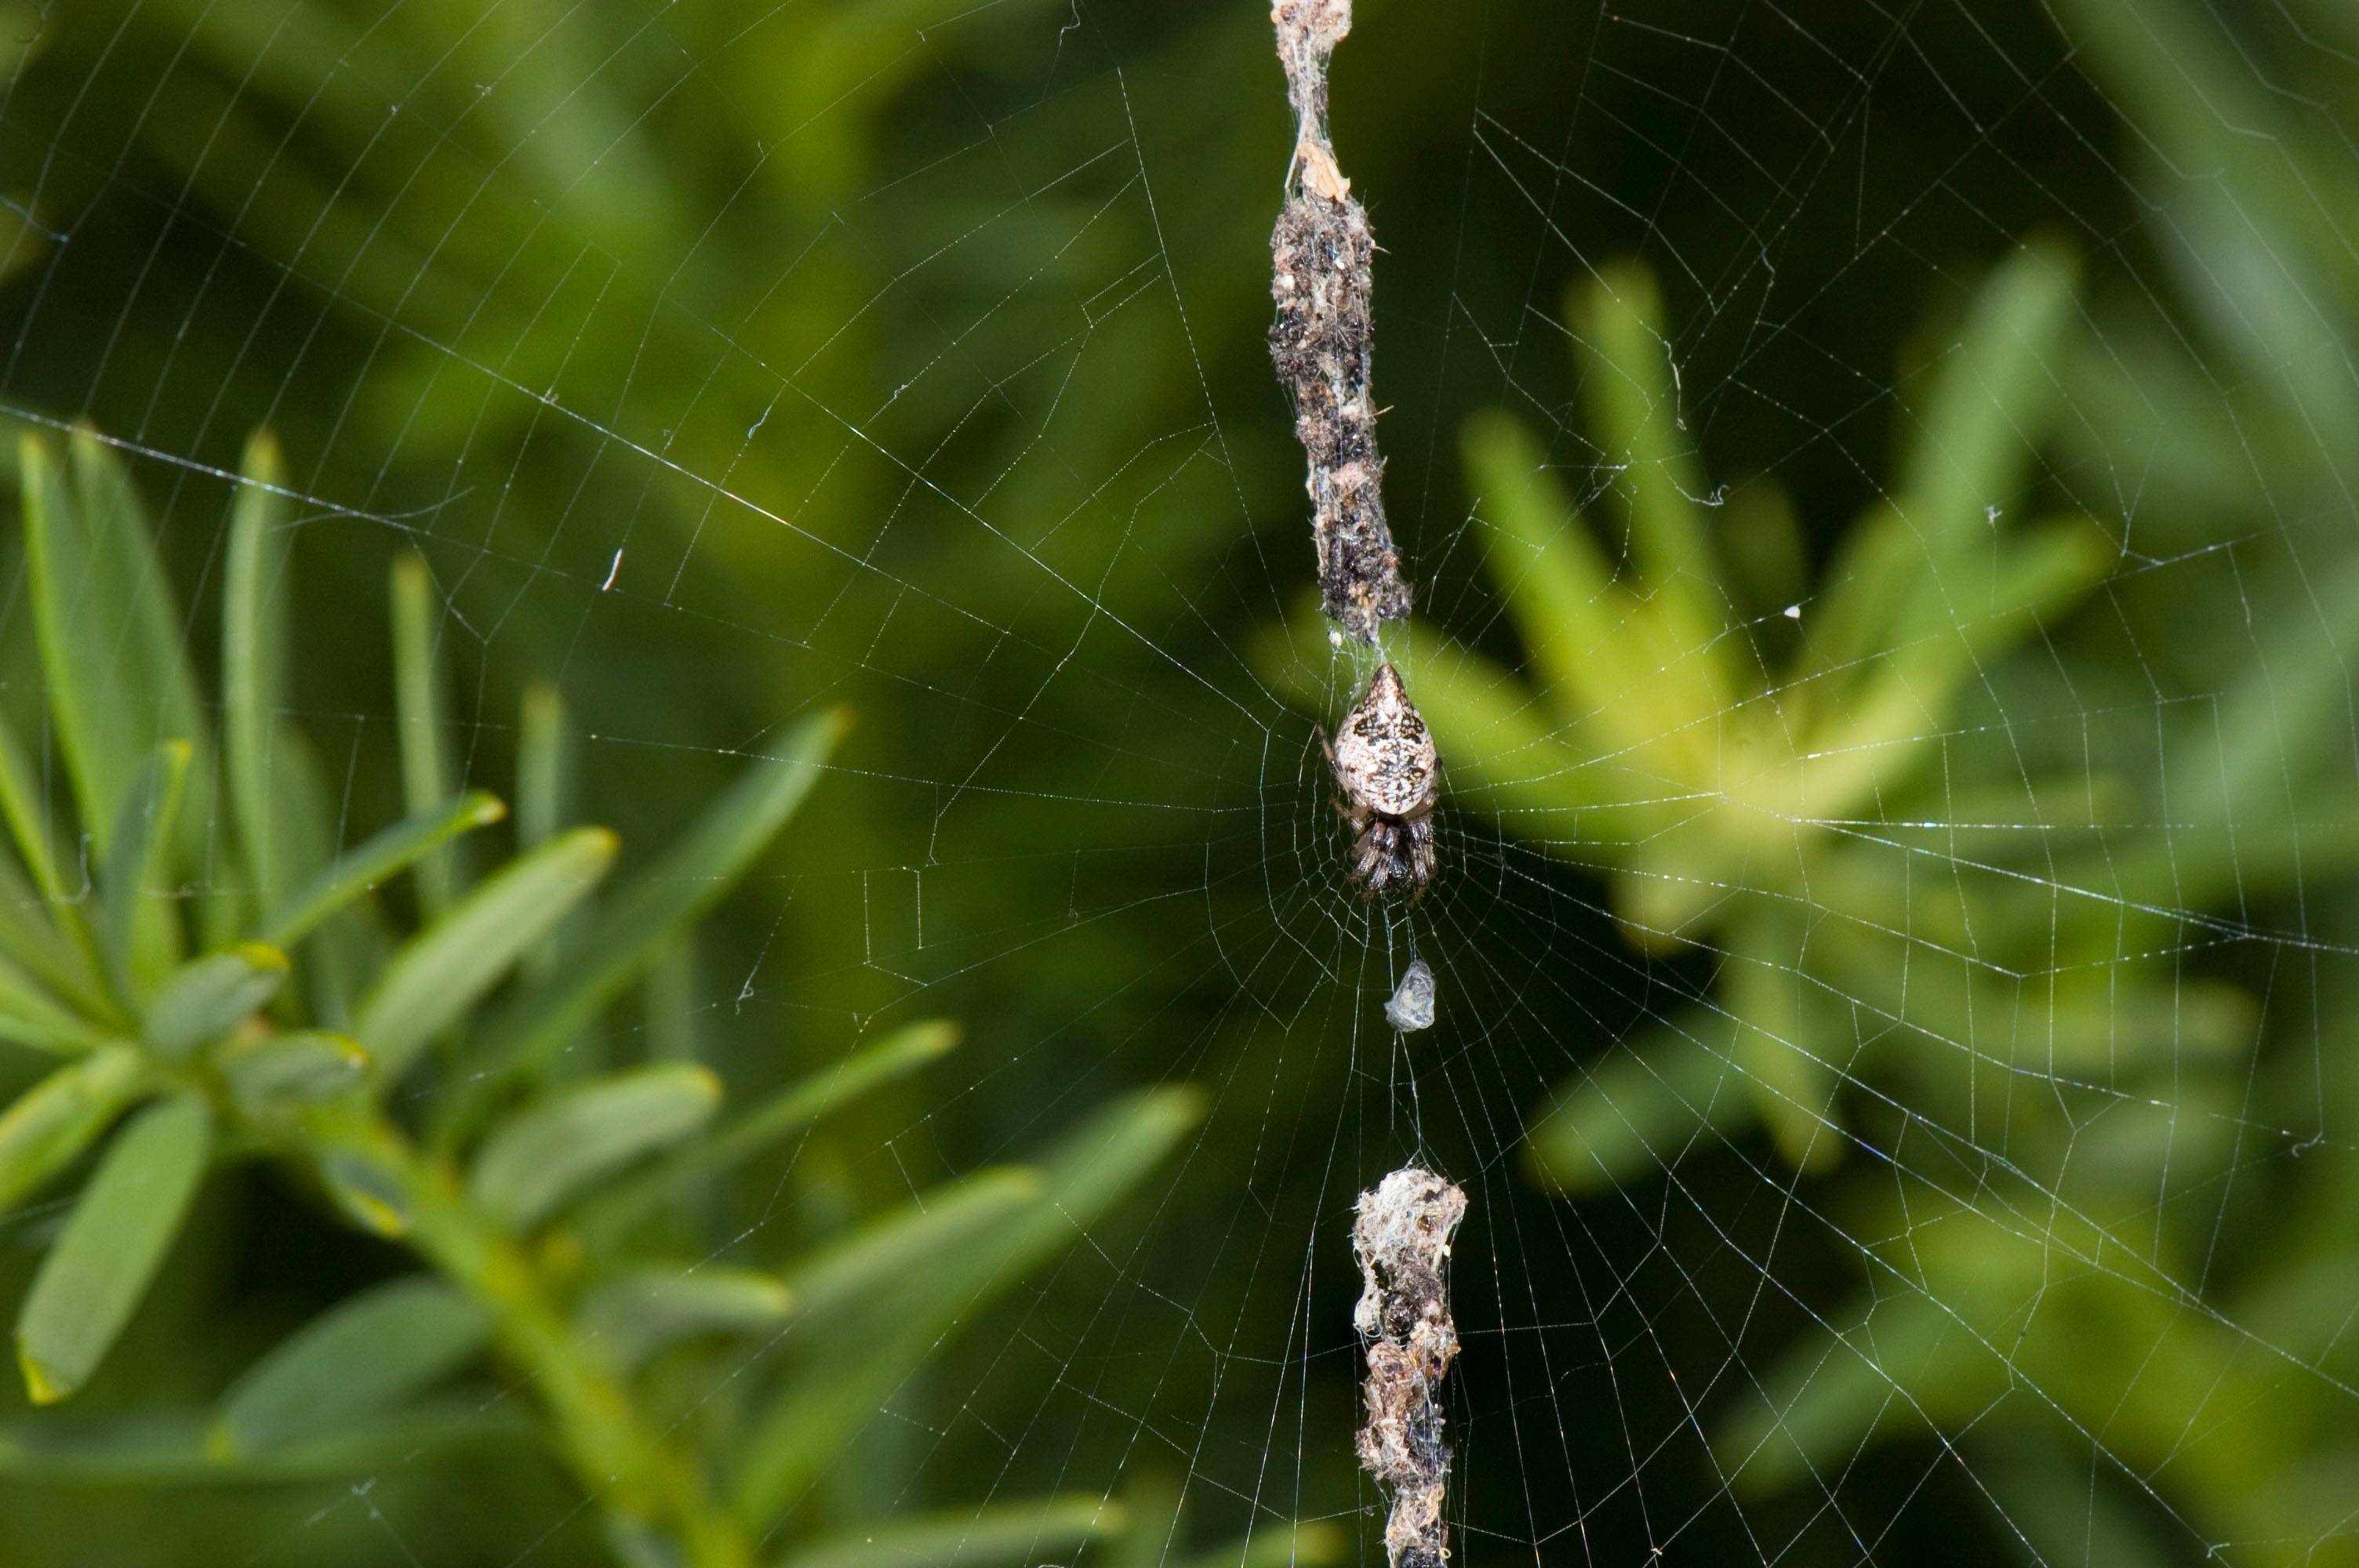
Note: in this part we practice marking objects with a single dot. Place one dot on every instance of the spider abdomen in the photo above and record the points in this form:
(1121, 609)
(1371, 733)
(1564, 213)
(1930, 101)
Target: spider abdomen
(1384, 754)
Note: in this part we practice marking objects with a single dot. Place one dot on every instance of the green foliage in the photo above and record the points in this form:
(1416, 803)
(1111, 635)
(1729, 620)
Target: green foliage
(197, 998)
(1935, 941)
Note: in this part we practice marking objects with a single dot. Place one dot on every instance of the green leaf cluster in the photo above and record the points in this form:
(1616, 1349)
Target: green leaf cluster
(230, 986)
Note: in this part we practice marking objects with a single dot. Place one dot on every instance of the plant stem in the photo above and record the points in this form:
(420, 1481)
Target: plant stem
(642, 1480)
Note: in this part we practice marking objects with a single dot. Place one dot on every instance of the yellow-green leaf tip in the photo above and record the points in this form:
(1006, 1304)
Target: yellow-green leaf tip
(41, 1385)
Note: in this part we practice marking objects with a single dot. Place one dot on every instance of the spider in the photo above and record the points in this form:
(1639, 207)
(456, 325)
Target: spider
(1384, 763)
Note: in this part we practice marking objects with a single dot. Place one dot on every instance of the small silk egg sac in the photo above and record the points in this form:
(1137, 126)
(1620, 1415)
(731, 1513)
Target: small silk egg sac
(1411, 1006)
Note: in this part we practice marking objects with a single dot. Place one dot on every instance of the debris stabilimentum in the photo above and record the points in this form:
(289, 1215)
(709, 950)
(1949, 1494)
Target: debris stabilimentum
(1321, 257)
(1402, 1240)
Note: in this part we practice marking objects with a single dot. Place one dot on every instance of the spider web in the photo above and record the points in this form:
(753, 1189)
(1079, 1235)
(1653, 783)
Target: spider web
(726, 363)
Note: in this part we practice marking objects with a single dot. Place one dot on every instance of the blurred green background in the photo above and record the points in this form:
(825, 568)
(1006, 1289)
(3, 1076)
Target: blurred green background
(1880, 488)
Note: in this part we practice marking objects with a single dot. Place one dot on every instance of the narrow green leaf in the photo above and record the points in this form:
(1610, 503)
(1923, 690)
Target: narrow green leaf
(209, 997)
(1782, 1043)
(1976, 437)
(1898, 705)
(2281, 723)
(46, 941)
(634, 1317)
(544, 765)
(1635, 415)
(381, 856)
(31, 1016)
(142, 933)
(1991, 400)
(1285, 1543)
(2044, 569)
(669, 994)
(254, 590)
(109, 635)
(1153, 1537)
(371, 1194)
(425, 773)
(1880, 559)
(797, 1106)
(167, 1449)
(25, 803)
(1042, 1529)
(1091, 1169)
(677, 891)
(439, 974)
(543, 783)
(1760, 546)
(121, 1228)
(1558, 583)
(287, 1072)
(897, 1244)
(850, 1373)
(637, 1543)
(52, 1123)
(537, 1161)
(344, 949)
(1991, 598)
(1827, 1392)
(355, 1361)
(41, 925)
(1634, 1112)
(1606, 660)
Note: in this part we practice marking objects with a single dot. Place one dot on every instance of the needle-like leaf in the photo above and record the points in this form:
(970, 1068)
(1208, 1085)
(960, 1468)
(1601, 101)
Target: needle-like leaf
(634, 1315)
(52, 1123)
(287, 1072)
(111, 1247)
(253, 657)
(26, 807)
(30, 1015)
(109, 638)
(814, 1410)
(168, 1448)
(441, 972)
(425, 773)
(211, 996)
(533, 1163)
(381, 856)
(363, 1358)
(689, 877)
(612, 1215)
(895, 1245)
(1634, 409)
(142, 934)
(544, 770)
(1033, 1531)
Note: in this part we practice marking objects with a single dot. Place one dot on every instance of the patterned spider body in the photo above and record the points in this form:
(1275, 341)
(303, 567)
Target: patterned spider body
(1390, 778)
